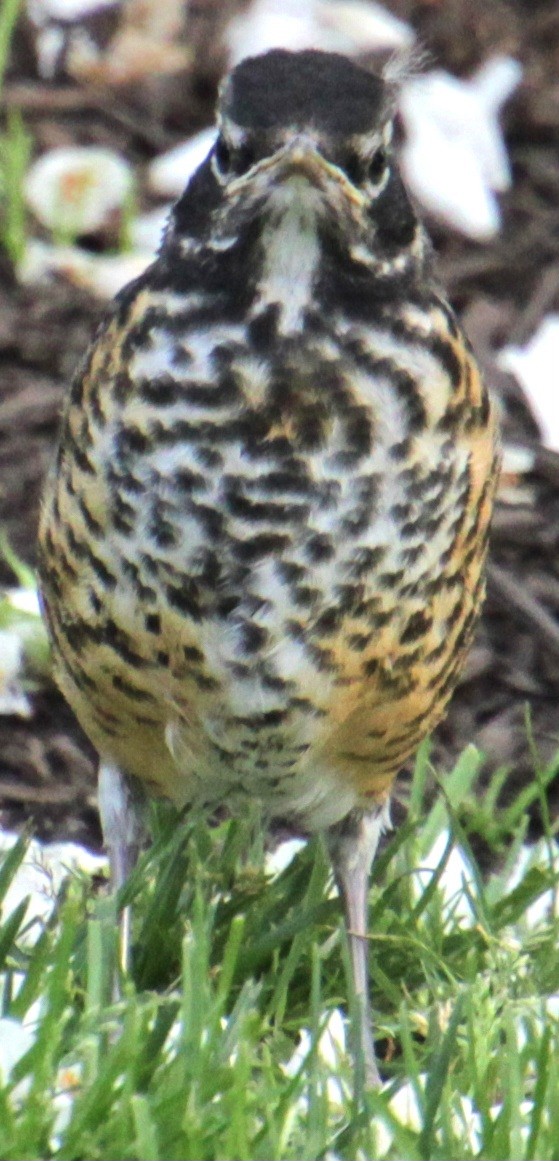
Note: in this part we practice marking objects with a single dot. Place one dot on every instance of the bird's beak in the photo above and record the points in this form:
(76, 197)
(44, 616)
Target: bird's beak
(300, 157)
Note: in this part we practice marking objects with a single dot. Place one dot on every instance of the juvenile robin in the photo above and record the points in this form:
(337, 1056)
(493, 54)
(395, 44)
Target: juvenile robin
(262, 541)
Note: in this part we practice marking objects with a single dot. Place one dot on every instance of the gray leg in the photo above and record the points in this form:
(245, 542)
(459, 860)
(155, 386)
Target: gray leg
(352, 845)
(119, 808)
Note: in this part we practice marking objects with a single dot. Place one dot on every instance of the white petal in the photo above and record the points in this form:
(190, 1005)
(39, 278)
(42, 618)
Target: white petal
(405, 1106)
(74, 189)
(169, 174)
(63, 858)
(349, 26)
(268, 24)
(146, 231)
(496, 80)
(26, 600)
(535, 365)
(456, 875)
(13, 699)
(49, 44)
(15, 1040)
(278, 860)
(11, 653)
(366, 26)
(331, 1045)
(454, 157)
(102, 274)
(41, 875)
(547, 904)
(446, 177)
(42, 10)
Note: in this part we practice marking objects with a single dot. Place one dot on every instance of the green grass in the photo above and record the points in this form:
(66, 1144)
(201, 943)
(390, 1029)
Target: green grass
(15, 151)
(234, 969)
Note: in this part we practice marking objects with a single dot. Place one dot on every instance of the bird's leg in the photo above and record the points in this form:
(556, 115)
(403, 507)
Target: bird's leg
(352, 844)
(121, 822)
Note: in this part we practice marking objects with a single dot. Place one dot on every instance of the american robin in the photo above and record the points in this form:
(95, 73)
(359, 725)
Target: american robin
(263, 538)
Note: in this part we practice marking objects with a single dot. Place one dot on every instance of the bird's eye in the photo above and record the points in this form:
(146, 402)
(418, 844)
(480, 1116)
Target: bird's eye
(353, 168)
(377, 166)
(222, 155)
(244, 159)
(233, 161)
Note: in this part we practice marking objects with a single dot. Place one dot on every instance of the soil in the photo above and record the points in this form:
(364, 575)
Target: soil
(502, 290)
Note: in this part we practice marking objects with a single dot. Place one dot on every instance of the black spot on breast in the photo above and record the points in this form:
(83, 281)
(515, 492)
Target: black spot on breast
(186, 599)
(262, 330)
(162, 390)
(95, 601)
(366, 560)
(418, 624)
(319, 548)
(289, 572)
(401, 450)
(305, 595)
(327, 622)
(192, 653)
(257, 547)
(184, 480)
(444, 351)
(209, 457)
(359, 641)
(91, 523)
(82, 460)
(129, 690)
(209, 518)
(252, 637)
(262, 512)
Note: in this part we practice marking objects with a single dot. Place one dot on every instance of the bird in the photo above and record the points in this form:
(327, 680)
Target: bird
(262, 541)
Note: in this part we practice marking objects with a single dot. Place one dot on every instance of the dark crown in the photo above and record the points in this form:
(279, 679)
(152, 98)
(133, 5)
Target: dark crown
(321, 89)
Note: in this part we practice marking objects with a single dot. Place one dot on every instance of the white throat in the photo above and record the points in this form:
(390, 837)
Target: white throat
(291, 254)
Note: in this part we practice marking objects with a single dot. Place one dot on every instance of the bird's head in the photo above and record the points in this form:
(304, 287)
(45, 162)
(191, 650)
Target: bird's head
(307, 126)
(304, 159)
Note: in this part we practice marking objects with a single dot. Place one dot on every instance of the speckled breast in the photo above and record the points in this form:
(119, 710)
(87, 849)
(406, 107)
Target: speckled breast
(262, 556)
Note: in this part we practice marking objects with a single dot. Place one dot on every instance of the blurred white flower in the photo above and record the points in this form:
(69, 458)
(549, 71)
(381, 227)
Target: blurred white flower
(146, 231)
(40, 876)
(40, 11)
(405, 1107)
(102, 274)
(526, 1110)
(25, 600)
(75, 190)
(332, 1053)
(11, 983)
(276, 861)
(546, 906)
(535, 366)
(24, 647)
(348, 26)
(454, 159)
(456, 875)
(68, 1085)
(13, 699)
(531, 1021)
(170, 173)
(16, 1039)
(361, 26)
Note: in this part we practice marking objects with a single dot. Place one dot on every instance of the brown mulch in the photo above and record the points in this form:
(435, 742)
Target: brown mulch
(502, 291)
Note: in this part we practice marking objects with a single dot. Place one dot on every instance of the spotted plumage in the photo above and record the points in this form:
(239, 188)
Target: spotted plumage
(262, 543)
